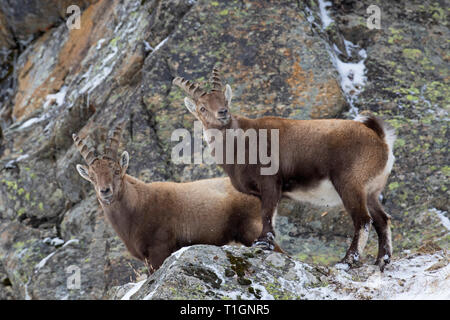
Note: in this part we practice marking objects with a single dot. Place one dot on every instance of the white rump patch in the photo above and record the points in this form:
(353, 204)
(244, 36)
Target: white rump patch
(324, 194)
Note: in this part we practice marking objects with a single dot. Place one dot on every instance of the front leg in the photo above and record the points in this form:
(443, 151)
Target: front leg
(155, 256)
(270, 196)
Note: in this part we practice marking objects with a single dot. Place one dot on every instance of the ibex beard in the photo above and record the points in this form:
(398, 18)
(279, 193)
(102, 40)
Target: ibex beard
(326, 162)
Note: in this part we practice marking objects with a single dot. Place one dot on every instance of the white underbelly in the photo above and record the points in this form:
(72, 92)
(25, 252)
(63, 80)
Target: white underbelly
(323, 194)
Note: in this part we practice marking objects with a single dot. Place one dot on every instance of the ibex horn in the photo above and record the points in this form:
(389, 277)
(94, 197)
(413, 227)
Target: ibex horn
(86, 153)
(113, 141)
(189, 87)
(215, 79)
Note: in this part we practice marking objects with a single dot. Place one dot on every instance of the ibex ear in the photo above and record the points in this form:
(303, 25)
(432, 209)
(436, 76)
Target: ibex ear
(84, 172)
(190, 104)
(228, 94)
(124, 160)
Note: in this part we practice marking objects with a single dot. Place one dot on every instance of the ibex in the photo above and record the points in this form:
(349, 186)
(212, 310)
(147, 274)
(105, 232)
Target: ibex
(156, 219)
(324, 162)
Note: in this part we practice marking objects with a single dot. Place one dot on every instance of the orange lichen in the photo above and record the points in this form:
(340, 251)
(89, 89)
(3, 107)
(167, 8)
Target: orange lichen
(31, 92)
(299, 82)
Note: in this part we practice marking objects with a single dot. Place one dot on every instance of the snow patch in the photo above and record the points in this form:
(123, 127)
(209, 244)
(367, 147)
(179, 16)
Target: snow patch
(326, 19)
(57, 98)
(352, 74)
(43, 262)
(22, 157)
(353, 77)
(99, 43)
(70, 242)
(133, 290)
(441, 214)
(32, 121)
(53, 242)
(159, 45)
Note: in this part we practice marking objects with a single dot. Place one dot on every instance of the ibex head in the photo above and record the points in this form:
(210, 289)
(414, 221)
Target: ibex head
(105, 172)
(212, 108)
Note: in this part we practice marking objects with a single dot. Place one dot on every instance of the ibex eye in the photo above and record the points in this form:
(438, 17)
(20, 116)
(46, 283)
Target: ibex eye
(202, 109)
(116, 172)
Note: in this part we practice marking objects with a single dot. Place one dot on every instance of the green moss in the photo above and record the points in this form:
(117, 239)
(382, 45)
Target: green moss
(18, 245)
(238, 264)
(411, 98)
(399, 143)
(10, 184)
(203, 274)
(41, 206)
(113, 42)
(412, 54)
(393, 185)
(395, 35)
(277, 292)
(446, 170)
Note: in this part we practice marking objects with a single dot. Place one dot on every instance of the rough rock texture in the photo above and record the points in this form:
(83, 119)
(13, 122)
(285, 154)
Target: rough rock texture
(248, 273)
(407, 69)
(20, 20)
(276, 57)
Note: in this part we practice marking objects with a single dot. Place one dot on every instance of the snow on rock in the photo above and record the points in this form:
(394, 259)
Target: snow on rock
(442, 216)
(326, 19)
(352, 74)
(56, 98)
(232, 272)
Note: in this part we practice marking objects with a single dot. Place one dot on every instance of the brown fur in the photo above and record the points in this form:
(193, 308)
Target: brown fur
(158, 218)
(351, 154)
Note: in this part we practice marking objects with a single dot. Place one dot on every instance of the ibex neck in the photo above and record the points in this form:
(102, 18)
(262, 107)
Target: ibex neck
(120, 212)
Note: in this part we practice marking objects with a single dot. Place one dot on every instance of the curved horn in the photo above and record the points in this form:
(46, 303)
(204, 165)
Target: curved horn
(87, 154)
(189, 87)
(215, 79)
(113, 141)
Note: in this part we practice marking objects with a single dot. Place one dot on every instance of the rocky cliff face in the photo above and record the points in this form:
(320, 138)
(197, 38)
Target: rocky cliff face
(285, 59)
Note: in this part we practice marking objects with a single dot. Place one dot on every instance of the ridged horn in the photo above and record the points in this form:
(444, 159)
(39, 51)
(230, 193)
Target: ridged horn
(87, 154)
(113, 141)
(191, 88)
(215, 80)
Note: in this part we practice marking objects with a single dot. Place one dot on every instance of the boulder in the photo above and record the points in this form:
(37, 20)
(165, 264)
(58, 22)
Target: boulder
(230, 272)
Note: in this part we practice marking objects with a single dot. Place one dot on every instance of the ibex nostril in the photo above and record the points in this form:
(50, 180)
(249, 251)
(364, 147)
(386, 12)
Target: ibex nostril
(223, 112)
(105, 191)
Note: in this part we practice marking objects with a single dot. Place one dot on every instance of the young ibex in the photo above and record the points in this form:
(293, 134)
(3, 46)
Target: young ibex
(156, 219)
(324, 162)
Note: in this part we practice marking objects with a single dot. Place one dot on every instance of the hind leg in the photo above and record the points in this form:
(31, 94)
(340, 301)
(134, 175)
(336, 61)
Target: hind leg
(355, 203)
(382, 224)
(249, 232)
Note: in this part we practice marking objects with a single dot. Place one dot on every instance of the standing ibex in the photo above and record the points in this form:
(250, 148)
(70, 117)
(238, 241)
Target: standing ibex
(156, 219)
(325, 162)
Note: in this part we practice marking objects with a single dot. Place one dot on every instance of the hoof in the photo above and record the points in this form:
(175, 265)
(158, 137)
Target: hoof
(383, 261)
(266, 243)
(351, 260)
